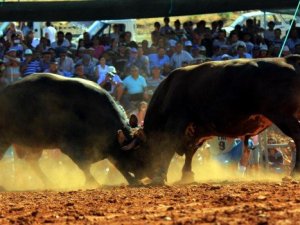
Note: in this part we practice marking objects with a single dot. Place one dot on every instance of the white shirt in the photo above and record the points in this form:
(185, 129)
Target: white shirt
(51, 31)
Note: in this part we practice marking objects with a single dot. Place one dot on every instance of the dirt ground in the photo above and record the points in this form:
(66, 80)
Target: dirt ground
(199, 203)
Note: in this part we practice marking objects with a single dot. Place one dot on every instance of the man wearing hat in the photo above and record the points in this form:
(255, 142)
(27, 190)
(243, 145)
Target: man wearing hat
(111, 82)
(30, 64)
(241, 51)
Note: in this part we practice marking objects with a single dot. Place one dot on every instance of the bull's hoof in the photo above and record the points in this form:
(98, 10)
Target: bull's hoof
(187, 177)
(157, 181)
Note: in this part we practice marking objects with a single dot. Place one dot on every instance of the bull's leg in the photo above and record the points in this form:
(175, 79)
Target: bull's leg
(90, 180)
(132, 180)
(245, 156)
(291, 127)
(162, 162)
(32, 156)
(75, 152)
(187, 173)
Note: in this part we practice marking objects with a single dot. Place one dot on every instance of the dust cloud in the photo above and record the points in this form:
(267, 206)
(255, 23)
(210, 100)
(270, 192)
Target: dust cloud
(16, 174)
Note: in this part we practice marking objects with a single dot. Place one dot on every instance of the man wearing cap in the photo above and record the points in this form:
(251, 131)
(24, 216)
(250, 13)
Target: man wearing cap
(180, 56)
(30, 64)
(111, 82)
(241, 51)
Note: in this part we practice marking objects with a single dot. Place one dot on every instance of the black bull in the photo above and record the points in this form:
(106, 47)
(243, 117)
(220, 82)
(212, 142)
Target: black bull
(235, 98)
(47, 111)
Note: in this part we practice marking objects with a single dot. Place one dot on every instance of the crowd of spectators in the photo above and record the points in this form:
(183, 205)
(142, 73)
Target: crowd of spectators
(128, 70)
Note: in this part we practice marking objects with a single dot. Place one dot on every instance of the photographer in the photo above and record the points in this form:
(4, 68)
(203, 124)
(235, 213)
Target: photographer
(111, 82)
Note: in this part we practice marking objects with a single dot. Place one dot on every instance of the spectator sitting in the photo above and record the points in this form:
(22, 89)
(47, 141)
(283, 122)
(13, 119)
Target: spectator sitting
(99, 48)
(69, 37)
(45, 61)
(61, 42)
(101, 70)
(91, 51)
(180, 56)
(88, 67)
(159, 59)
(293, 40)
(136, 88)
(140, 113)
(30, 65)
(221, 40)
(142, 62)
(79, 71)
(241, 51)
(65, 63)
(263, 52)
(286, 51)
(53, 68)
(154, 80)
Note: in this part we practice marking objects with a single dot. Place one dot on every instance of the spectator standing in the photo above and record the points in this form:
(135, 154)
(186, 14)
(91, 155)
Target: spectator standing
(49, 32)
(12, 66)
(180, 56)
(155, 34)
(166, 29)
(269, 34)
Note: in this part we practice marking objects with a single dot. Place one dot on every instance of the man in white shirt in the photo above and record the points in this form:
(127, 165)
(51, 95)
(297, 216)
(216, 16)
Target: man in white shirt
(49, 32)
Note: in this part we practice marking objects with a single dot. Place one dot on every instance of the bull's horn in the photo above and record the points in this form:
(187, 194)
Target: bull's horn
(121, 137)
(130, 146)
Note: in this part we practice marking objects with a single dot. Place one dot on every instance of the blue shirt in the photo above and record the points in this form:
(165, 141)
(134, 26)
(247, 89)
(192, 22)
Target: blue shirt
(156, 61)
(134, 86)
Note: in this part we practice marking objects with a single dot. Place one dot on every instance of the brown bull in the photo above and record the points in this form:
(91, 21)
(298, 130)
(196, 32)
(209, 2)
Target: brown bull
(235, 98)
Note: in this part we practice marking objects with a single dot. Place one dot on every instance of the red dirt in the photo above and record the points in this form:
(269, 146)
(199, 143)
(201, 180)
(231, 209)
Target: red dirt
(199, 203)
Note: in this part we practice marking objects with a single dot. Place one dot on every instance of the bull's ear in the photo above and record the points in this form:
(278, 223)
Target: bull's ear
(121, 137)
(133, 121)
